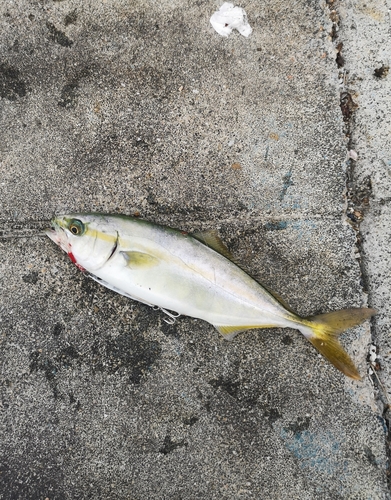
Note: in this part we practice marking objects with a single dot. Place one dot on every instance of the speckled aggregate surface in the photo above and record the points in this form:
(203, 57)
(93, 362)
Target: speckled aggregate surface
(141, 107)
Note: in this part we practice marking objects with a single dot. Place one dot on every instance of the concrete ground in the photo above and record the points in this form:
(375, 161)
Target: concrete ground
(141, 107)
(365, 33)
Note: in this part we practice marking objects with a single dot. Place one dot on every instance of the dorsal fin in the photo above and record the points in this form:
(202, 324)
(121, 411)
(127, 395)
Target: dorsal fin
(211, 239)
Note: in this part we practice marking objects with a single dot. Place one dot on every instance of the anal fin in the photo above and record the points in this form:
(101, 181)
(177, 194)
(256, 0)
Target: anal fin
(229, 332)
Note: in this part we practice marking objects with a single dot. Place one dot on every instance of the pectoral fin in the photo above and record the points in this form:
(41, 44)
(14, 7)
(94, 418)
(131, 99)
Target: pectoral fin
(137, 260)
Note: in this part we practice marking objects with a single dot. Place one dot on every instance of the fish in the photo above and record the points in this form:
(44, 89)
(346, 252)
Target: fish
(191, 274)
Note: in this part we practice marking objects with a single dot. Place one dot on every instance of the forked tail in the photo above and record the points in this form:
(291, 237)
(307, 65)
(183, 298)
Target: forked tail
(323, 331)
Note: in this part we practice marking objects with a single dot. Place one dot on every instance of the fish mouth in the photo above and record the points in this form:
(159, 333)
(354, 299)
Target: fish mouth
(53, 231)
(57, 234)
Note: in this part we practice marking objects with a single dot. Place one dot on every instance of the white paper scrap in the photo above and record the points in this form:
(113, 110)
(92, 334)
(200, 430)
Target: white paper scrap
(228, 18)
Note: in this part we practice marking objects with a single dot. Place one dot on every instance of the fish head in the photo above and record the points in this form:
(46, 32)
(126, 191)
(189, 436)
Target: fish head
(89, 240)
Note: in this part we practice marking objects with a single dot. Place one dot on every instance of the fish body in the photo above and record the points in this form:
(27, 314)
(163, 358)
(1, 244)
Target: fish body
(192, 275)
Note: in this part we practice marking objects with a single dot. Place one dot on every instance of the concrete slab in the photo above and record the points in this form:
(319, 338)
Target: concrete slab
(365, 34)
(142, 107)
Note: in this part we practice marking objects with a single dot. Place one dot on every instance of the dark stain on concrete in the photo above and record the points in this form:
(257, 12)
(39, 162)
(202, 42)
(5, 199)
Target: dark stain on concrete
(191, 420)
(169, 445)
(339, 59)
(170, 330)
(51, 367)
(31, 278)
(11, 85)
(70, 18)
(301, 424)
(132, 352)
(58, 36)
(57, 329)
(381, 72)
(370, 456)
(66, 356)
(287, 182)
(33, 476)
(227, 385)
(273, 415)
(287, 340)
(276, 226)
(45, 365)
(68, 98)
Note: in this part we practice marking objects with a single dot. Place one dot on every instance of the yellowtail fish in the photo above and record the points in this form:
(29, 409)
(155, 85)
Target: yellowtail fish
(194, 275)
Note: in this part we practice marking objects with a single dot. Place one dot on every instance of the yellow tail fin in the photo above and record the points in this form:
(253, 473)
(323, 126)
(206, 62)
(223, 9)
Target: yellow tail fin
(325, 330)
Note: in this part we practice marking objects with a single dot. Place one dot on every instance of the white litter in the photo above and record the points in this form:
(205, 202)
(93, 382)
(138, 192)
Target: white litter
(353, 155)
(372, 354)
(228, 18)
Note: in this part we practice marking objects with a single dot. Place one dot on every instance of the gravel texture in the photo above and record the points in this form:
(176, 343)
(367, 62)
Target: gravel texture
(142, 108)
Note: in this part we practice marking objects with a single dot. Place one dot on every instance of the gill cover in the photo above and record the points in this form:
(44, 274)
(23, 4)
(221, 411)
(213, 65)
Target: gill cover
(89, 240)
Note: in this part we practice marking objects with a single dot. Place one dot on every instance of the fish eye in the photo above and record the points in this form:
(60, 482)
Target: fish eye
(76, 227)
